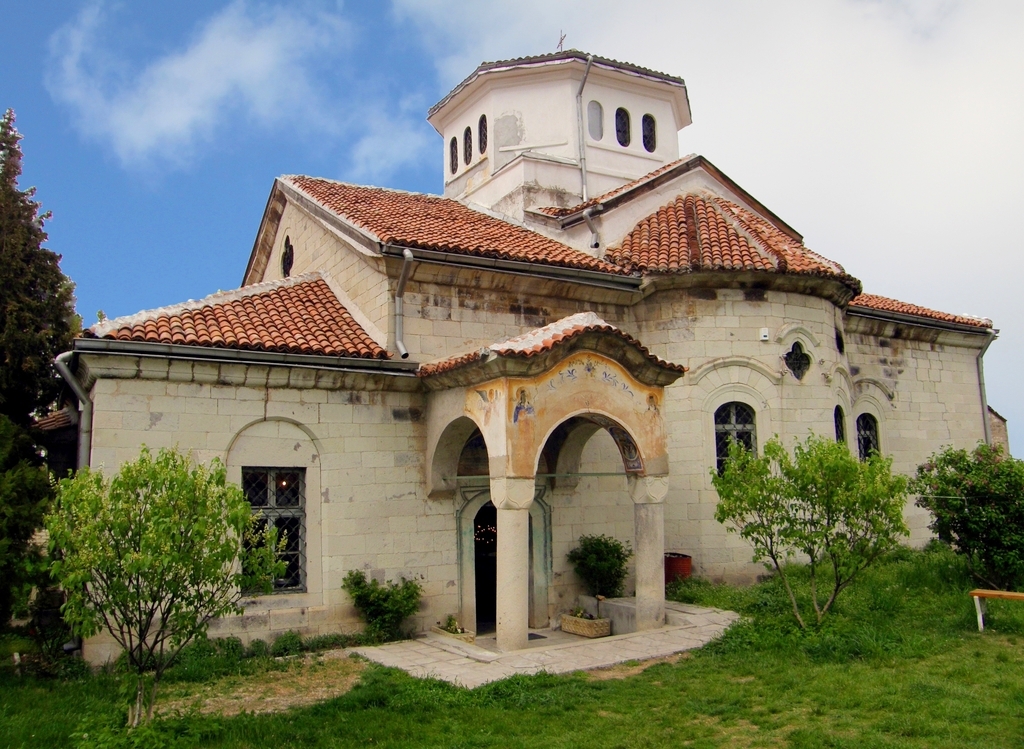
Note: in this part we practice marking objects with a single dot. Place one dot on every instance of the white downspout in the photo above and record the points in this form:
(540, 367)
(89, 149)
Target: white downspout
(579, 124)
(84, 403)
(407, 259)
(981, 387)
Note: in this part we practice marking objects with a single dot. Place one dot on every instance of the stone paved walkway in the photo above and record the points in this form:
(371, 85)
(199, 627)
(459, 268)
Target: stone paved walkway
(470, 666)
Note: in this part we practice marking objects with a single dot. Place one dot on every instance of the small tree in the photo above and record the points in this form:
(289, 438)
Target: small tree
(977, 501)
(600, 562)
(24, 496)
(153, 555)
(840, 513)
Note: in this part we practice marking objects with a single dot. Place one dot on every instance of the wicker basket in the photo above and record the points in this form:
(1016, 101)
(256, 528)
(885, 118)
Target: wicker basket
(574, 625)
(469, 637)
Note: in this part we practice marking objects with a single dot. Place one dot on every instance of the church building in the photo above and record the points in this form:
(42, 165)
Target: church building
(456, 388)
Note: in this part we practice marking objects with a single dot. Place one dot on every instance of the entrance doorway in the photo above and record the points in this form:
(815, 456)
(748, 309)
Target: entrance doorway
(485, 544)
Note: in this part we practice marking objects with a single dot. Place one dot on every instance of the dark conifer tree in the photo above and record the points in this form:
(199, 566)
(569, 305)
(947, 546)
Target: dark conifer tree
(37, 315)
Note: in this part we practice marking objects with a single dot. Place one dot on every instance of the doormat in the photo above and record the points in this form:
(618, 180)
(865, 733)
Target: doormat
(535, 636)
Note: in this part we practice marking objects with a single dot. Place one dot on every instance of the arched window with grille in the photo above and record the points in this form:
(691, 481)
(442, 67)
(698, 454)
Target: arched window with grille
(467, 145)
(867, 435)
(649, 131)
(840, 419)
(481, 134)
(622, 134)
(453, 155)
(734, 422)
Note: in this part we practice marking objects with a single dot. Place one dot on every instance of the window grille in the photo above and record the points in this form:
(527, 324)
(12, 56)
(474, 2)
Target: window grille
(797, 361)
(279, 495)
(867, 435)
(453, 155)
(595, 120)
(649, 131)
(467, 145)
(481, 136)
(734, 422)
(622, 126)
(287, 257)
(840, 419)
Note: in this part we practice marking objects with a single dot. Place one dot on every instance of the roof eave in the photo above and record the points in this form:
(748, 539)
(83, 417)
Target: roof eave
(919, 320)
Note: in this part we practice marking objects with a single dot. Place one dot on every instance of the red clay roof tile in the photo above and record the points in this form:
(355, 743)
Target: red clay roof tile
(704, 232)
(298, 315)
(604, 198)
(542, 340)
(872, 301)
(431, 222)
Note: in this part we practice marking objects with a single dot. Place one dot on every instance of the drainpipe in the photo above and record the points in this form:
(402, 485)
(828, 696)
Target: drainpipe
(579, 123)
(407, 259)
(588, 216)
(84, 402)
(981, 387)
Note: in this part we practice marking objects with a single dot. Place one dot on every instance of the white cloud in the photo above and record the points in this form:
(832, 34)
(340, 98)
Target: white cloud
(243, 60)
(887, 131)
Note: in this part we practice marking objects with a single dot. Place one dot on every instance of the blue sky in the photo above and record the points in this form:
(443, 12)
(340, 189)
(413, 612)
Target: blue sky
(887, 131)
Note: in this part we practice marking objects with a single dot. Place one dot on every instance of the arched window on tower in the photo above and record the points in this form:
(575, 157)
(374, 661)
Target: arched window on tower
(649, 132)
(467, 145)
(595, 120)
(733, 422)
(481, 135)
(622, 134)
(453, 155)
(840, 419)
(867, 435)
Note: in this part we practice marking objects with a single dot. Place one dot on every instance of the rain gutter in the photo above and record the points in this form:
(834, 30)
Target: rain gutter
(532, 270)
(981, 387)
(84, 403)
(239, 356)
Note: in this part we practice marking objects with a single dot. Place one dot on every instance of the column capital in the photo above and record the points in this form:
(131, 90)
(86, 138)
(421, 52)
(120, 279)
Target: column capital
(512, 492)
(647, 490)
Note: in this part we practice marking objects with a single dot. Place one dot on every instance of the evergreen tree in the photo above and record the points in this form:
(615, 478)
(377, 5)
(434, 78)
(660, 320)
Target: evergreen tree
(37, 316)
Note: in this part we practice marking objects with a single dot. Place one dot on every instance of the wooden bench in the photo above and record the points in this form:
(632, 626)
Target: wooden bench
(979, 597)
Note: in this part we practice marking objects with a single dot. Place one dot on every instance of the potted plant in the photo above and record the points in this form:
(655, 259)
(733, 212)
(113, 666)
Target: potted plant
(600, 562)
(451, 628)
(579, 622)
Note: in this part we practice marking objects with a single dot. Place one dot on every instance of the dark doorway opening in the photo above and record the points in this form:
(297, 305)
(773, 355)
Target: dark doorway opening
(485, 541)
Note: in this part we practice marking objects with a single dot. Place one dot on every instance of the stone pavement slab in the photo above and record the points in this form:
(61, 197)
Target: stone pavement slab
(471, 666)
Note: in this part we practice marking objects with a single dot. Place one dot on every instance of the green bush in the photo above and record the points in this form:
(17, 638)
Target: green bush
(230, 647)
(600, 562)
(383, 606)
(977, 502)
(289, 643)
(257, 649)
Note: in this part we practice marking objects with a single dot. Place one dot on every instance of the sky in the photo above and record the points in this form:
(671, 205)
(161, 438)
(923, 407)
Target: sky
(890, 133)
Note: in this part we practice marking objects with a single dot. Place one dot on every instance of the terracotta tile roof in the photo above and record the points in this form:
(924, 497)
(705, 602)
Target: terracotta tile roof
(542, 340)
(884, 304)
(298, 315)
(431, 222)
(558, 211)
(57, 420)
(704, 232)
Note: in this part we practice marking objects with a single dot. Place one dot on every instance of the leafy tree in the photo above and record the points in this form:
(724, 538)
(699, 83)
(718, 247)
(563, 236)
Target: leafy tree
(977, 501)
(37, 316)
(840, 513)
(24, 496)
(153, 555)
(600, 562)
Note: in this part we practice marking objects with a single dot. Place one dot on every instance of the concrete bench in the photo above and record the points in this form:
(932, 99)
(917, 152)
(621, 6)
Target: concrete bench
(980, 596)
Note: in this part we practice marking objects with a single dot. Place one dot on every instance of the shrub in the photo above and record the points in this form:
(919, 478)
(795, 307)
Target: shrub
(230, 648)
(289, 643)
(841, 513)
(383, 606)
(257, 649)
(977, 502)
(600, 562)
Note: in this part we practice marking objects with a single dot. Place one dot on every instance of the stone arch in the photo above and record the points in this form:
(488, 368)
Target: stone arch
(443, 455)
(298, 424)
(797, 332)
(285, 443)
(584, 424)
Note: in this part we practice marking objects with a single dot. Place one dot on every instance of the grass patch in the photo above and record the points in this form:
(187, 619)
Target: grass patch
(899, 664)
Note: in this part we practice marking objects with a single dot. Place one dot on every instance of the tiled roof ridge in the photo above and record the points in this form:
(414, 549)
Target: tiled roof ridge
(750, 233)
(541, 340)
(110, 325)
(559, 212)
(888, 304)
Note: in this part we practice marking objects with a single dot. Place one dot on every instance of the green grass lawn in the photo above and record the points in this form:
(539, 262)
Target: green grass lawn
(899, 664)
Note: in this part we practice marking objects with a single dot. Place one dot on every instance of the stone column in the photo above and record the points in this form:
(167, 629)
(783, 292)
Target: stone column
(513, 497)
(648, 494)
